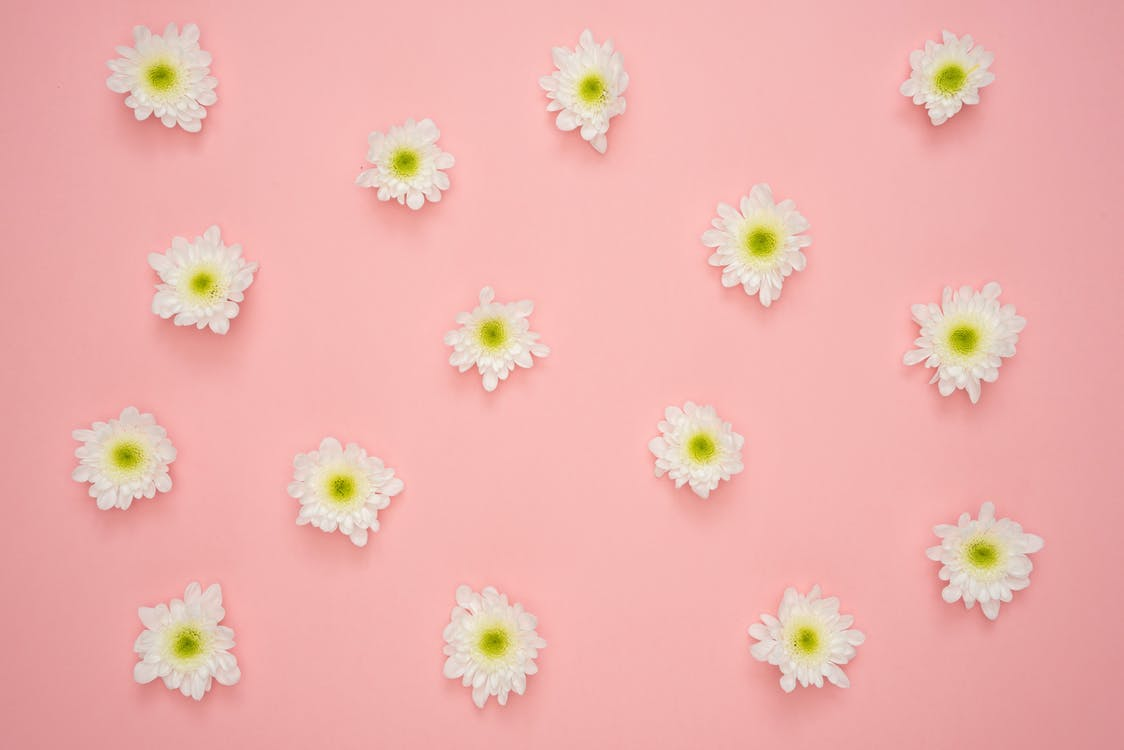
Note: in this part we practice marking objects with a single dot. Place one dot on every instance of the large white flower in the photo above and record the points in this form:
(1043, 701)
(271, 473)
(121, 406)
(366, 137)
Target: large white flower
(491, 645)
(759, 245)
(808, 640)
(342, 488)
(124, 459)
(184, 644)
(947, 76)
(408, 164)
(983, 560)
(965, 338)
(167, 76)
(587, 89)
(697, 448)
(203, 281)
(495, 338)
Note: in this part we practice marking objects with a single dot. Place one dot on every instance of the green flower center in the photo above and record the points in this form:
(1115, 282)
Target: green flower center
(127, 455)
(494, 642)
(701, 448)
(405, 163)
(342, 488)
(205, 284)
(492, 333)
(762, 242)
(592, 89)
(161, 76)
(950, 79)
(806, 640)
(964, 340)
(982, 553)
(187, 643)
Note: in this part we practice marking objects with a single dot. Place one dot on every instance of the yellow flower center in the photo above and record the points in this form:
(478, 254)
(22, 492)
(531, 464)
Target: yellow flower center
(127, 455)
(494, 642)
(805, 641)
(341, 488)
(762, 242)
(592, 89)
(950, 78)
(702, 448)
(492, 333)
(964, 339)
(405, 163)
(983, 553)
(161, 76)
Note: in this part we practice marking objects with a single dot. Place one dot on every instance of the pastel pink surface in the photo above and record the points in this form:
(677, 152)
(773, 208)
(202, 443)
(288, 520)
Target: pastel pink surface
(545, 488)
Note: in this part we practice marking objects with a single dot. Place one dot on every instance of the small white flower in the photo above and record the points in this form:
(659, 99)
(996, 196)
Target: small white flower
(696, 448)
(184, 644)
(759, 245)
(124, 459)
(168, 76)
(808, 640)
(965, 338)
(203, 281)
(408, 164)
(947, 76)
(491, 645)
(587, 89)
(983, 560)
(495, 337)
(342, 488)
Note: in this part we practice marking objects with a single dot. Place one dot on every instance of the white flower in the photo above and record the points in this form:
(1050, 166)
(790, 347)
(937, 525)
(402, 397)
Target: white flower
(124, 459)
(587, 89)
(965, 338)
(808, 640)
(696, 448)
(184, 644)
(168, 76)
(408, 164)
(342, 488)
(491, 645)
(495, 337)
(947, 76)
(983, 560)
(203, 281)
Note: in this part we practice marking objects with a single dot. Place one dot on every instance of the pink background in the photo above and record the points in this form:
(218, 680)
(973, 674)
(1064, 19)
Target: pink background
(545, 488)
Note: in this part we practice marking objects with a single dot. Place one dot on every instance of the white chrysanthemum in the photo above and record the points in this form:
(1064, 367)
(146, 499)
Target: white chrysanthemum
(983, 560)
(491, 645)
(408, 164)
(947, 76)
(696, 448)
(808, 640)
(124, 459)
(495, 338)
(184, 644)
(587, 89)
(342, 488)
(203, 281)
(966, 338)
(167, 76)
(759, 245)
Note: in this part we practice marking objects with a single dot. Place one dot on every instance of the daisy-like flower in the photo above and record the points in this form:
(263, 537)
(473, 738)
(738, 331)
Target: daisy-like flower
(697, 448)
(495, 338)
(167, 76)
(983, 560)
(124, 459)
(947, 76)
(203, 281)
(759, 245)
(408, 164)
(342, 488)
(808, 640)
(491, 645)
(965, 338)
(587, 89)
(184, 644)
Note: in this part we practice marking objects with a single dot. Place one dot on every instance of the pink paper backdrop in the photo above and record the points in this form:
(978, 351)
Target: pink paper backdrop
(545, 488)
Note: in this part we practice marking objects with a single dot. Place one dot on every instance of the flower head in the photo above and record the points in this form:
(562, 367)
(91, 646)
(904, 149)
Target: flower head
(495, 338)
(408, 164)
(965, 338)
(491, 645)
(587, 89)
(202, 281)
(184, 644)
(124, 459)
(696, 447)
(168, 76)
(983, 560)
(808, 640)
(947, 76)
(342, 489)
(759, 245)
